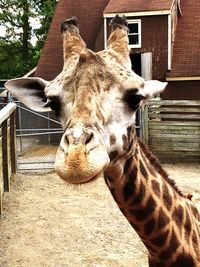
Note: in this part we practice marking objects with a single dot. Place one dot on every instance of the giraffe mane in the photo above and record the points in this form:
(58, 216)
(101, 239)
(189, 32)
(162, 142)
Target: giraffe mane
(158, 167)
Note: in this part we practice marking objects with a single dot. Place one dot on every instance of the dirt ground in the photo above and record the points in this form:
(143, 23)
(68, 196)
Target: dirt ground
(48, 223)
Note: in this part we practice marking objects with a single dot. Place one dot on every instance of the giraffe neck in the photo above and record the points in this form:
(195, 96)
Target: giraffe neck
(161, 215)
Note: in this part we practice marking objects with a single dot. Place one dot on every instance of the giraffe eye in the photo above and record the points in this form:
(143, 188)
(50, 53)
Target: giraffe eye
(132, 99)
(54, 104)
(55, 107)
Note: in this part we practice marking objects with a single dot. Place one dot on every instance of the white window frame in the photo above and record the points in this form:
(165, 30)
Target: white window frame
(136, 21)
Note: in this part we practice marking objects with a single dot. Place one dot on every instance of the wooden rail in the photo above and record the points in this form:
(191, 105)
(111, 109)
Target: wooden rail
(172, 130)
(7, 148)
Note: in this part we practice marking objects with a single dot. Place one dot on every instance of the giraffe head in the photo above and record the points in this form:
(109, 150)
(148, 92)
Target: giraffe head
(95, 97)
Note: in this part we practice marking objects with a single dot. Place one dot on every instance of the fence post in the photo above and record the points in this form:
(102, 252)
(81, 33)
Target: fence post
(13, 143)
(7, 150)
(145, 127)
(5, 155)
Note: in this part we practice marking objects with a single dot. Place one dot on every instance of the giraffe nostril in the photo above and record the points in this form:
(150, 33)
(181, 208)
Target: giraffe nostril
(89, 138)
(66, 140)
(142, 85)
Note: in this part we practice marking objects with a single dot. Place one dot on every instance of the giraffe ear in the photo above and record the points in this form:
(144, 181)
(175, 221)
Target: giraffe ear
(29, 91)
(135, 98)
(152, 88)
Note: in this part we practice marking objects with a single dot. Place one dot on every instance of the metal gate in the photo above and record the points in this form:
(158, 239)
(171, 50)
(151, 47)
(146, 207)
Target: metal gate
(37, 139)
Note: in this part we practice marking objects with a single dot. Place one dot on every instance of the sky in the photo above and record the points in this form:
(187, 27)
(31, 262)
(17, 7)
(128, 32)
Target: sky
(2, 31)
(34, 23)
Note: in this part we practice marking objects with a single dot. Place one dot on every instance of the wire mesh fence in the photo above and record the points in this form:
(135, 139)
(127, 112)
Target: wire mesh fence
(38, 136)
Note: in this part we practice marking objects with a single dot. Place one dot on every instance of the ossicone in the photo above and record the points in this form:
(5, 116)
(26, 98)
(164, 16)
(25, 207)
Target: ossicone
(118, 21)
(66, 24)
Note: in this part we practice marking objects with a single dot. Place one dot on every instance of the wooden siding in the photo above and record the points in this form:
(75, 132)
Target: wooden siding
(154, 30)
(182, 90)
(171, 129)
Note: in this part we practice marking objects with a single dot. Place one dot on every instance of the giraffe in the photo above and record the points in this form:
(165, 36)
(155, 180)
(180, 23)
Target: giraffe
(96, 97)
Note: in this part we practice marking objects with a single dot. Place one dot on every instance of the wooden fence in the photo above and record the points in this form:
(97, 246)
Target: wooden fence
(7, 148)
(172, 130)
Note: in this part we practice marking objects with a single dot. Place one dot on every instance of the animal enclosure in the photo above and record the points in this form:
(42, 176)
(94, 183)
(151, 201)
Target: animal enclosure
(171, 129)
(7, 147)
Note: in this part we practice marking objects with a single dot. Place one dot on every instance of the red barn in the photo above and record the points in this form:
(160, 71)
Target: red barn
(164, 39)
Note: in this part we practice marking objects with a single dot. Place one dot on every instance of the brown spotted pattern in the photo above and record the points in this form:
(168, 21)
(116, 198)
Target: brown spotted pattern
(164, 218)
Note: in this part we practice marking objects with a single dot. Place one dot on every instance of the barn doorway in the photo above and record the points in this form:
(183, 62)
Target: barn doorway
(136, 67)
(136, 63)
(141, 65)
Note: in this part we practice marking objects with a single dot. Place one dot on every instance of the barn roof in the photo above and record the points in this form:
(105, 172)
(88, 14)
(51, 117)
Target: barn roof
(121, 6)
(89, 14)
(186, 52)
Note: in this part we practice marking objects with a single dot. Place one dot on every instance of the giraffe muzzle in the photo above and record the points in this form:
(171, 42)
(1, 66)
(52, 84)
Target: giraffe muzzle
(80, 159)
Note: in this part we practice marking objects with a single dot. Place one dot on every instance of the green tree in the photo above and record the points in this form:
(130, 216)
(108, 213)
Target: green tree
(26, 23)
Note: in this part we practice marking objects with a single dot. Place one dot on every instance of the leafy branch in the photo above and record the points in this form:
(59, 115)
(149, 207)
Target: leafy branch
(17, 54)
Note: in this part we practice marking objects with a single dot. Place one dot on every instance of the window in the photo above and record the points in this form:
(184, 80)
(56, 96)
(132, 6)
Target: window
(134, 34)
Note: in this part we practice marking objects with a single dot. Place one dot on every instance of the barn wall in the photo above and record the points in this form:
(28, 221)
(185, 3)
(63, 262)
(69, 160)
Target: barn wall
(155, 40)
(99, 43)
(182, 90)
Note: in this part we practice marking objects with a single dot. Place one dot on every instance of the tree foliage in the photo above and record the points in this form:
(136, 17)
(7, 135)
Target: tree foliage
(26, 23)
